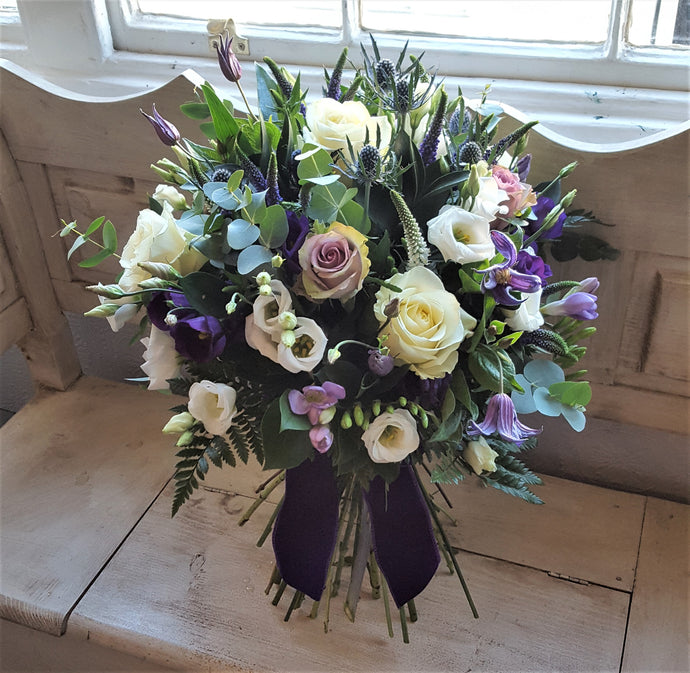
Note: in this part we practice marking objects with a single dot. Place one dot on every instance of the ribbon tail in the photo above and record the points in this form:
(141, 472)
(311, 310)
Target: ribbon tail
(305, 530)
(403, 538)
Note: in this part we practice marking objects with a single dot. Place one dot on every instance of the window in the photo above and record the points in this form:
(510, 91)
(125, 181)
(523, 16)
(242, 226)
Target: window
(599, 70)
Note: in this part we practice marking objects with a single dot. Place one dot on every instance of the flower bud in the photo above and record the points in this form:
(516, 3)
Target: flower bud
(326, 416)
(166, 132)
(179, 423)
(288, 338)
(113, 291)
(333, 355)
(186, 438)
(376, 407)
(358, 415)
(346, 421)
(170, 319)
(154, 284)
(229, 65)
(287, 320)
(102, 311)
(231, 307)
(277, 261)
(263, 278)
(265, 290)
(160, 270)
(391, 309)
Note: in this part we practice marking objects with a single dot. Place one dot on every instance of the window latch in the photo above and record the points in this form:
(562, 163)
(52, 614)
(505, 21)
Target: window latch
(226, 28)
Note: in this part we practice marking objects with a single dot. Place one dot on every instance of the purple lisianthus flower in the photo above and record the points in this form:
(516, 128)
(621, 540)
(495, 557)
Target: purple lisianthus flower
(167, 132)
(501, 418)
(162, 304)
(380, 364)
(541, 210)
(200, 338)
(298, 228)
(534, 265)
(501, 279)
(312, 400)
(321, 438)
(578, 305)
(523, 166)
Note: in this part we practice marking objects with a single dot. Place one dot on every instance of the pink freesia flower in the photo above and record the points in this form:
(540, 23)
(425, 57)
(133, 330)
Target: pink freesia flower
(312, 400)
(321, 438)
(501, 417)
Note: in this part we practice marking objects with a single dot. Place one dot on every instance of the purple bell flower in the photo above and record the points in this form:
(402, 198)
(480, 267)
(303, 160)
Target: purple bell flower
(533, 265)
(501, 279)
(229, 65)
(501, 418)
(380, 364)
(167, 132)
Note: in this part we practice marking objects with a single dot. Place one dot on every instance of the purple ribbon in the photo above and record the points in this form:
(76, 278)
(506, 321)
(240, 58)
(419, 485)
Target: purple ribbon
(305, 530)
(403, 539)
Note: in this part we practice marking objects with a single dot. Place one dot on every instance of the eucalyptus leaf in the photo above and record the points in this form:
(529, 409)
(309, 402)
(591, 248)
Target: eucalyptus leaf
(252, 257)
(274, 226)
(546, 404)
(576, 419)
(241, 234)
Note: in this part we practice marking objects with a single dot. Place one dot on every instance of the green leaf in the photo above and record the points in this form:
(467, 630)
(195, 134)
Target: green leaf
(352, 214)
(224, 123)
(314, 163)
(78, 242)
(96, 259)
(327, 200)
(572, 393)
(290, 420)
(282, 449)
(235, 180)
(94, 226)
(67, 228)
(253, 257)
(109, 236)
(241, 234)
(205, 293)
(264, 84)
(196, 111)
(274, 227)
(490, 368)
(462, 392)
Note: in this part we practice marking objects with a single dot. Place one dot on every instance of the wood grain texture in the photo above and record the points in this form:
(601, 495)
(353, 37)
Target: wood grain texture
(657, 638)
(77, 473)
(189, 593)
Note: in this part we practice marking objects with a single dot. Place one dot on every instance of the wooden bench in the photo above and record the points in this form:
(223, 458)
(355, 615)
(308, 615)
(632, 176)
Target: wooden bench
(96, 576)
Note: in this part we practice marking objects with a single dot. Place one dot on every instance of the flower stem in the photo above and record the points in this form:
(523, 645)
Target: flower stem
(246, 102)
(279, 478)
(403, 625)
(269, 525)
(448, 546)
(387, 607)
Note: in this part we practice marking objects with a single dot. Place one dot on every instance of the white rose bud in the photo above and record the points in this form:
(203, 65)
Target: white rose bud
(179, 423)
(480, 456)
(168, 194)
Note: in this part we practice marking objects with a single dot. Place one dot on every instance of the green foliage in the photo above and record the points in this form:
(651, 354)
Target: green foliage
(449, 469)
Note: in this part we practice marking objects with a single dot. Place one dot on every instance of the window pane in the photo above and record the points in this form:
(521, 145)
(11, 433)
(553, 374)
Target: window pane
(324, 13)
(535, 20)
(8, 7)
(659, 22)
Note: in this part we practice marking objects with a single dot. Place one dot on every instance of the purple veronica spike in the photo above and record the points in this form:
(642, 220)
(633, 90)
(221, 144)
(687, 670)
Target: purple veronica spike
(500, 279)
(168, 134)
(501, 417)
(229, 65)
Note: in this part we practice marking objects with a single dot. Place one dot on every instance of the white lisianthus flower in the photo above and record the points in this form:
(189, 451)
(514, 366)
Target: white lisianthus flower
(161, 360)
(330, 123)
(429, 326)
(488, 202)
(461, 236)
(391, 436)
(308, 349)
(213, 404)
(267, 309)
(480, 456)
(157, 238)
(527, 317)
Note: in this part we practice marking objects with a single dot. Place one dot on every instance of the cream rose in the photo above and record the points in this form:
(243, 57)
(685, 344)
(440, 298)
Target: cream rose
(461, 236)
(334, 263)
(213, 404)
(330, 123)
(391, 436)
(161, 360)
(157, 238)
(480, 456)
(430, 324)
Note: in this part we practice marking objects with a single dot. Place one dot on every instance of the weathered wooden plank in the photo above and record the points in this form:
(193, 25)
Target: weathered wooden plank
(15, 322)
(552, 537)
(78, 470)
(657, 637)
(189, 593)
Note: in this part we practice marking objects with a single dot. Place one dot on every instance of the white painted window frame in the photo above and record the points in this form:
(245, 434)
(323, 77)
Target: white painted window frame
(600, 93)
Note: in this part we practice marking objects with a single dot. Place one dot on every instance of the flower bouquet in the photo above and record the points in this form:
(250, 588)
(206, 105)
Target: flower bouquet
(353, 289)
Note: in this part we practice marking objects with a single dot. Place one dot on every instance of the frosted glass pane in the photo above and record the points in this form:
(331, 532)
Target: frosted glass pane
(533, 20)
(326, 13)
